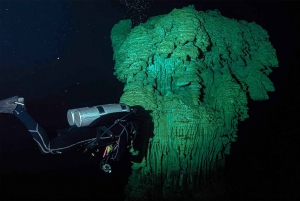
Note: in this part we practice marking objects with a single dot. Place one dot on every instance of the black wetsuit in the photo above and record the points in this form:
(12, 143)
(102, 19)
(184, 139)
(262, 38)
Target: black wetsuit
(73, 137)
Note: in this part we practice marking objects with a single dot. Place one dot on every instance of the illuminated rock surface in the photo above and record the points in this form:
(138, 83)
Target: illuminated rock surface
(193, 71)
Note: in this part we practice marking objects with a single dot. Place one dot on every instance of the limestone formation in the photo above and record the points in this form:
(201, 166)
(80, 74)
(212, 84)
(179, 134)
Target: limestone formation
(193, 71)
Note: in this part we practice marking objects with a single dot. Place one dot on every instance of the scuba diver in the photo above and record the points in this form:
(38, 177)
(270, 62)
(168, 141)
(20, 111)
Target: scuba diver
(112, 125)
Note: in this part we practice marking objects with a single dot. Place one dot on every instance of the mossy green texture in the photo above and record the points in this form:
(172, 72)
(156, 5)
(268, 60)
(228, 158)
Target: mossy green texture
(193, 70)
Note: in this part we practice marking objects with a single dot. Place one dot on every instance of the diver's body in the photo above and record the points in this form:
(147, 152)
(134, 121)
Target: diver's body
(69, 138)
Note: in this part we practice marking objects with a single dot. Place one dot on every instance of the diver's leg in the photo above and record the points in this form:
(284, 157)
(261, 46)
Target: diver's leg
(15, 105)
(36, 131)
(71, 138)
(67, 139)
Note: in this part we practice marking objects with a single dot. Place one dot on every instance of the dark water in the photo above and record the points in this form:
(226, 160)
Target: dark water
(58, 56)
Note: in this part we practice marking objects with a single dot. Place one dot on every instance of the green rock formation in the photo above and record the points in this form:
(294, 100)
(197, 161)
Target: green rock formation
(193, 70)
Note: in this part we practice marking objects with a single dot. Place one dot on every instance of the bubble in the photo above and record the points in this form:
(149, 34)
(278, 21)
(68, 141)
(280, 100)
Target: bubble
(136, 10)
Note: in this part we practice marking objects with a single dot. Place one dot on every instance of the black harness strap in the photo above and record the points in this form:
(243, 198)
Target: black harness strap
(104, 129)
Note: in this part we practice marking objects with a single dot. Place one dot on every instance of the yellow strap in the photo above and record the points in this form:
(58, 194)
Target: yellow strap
(108, 149)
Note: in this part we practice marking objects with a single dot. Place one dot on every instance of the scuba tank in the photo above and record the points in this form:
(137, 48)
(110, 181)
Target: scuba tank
(96, 115)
